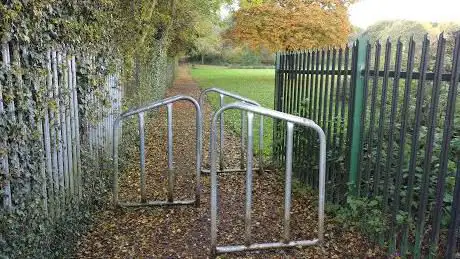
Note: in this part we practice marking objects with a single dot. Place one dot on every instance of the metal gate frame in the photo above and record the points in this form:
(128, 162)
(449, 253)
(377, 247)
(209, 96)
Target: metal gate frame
(140, 111)
(285, 243)
(222, 94)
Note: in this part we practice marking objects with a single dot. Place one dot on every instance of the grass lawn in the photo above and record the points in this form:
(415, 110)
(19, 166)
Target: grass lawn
(255, 84)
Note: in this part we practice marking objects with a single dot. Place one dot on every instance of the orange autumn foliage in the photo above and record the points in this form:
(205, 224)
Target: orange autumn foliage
(292, 24)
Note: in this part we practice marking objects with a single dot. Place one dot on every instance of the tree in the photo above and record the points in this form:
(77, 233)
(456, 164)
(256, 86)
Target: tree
(291, 24)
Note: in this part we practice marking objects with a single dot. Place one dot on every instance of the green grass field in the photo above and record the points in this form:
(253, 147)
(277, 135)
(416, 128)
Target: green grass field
(255, 84)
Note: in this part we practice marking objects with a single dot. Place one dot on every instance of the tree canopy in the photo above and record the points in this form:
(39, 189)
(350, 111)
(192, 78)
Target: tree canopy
(291, 24)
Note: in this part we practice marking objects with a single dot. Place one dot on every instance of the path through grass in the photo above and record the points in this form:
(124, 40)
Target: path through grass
(255, 84)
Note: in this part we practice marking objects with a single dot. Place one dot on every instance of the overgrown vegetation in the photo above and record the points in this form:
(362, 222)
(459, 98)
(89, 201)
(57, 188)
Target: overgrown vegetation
(139, 40)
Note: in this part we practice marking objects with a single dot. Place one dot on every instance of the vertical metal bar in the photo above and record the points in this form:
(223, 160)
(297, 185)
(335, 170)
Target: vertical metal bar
(7, 203)
(77, 127)
(432, 120)
(383, 104)
(290, 94)
(311, 85)
(322, 182)
(116, 124)
(321, 86)
(370, 135)
(393, 113)
(326, 88)
(296, 106)
(52, 137)
(402, 139)
(315, 90)
(415, 141)
(170, 155)
(279, 141)
(142, 153)
(247, 217)
(276, 106)
(446, 140)
(332, 173)
(337, 101)
(212, 150)
(342, 148)
(452, 235)
(62, 95)
(295, 58)
(199, 148)
(302, 141)
(299, 104)
(350, 110)
(58, 130)
(221, 156)
(362, 179)
(261, 144)
(288, 183)
(242, 147)
(358, 98)
(343, 100)
(73, 127)
(68, 98)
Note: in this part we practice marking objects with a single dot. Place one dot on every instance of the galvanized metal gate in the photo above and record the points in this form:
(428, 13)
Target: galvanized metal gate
(140, 112)
(222, 94)
(291, 121)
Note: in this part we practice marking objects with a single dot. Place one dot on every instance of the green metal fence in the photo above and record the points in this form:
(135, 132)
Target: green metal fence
(393, 133)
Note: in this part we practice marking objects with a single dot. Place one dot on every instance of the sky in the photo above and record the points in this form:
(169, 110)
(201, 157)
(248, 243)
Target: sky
(368, 12)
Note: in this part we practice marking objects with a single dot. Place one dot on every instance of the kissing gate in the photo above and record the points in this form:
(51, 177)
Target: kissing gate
(248, 108)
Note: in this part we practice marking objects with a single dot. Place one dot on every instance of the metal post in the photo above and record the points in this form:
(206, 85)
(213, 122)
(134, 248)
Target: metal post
(243, 129)
(198, 148)
(288, 183)
(213, 168)
(171, 171)
(221, 157)
(291, 119)
(142, 154)
(357, 110)
(222, 94)
(247, 216)
(261, 144)
(170, 155)
(115, 161)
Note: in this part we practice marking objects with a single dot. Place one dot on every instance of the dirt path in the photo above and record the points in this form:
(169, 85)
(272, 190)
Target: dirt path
(183, 232)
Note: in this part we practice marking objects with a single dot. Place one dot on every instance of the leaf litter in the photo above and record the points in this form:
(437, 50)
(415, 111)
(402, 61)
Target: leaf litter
(184, 231)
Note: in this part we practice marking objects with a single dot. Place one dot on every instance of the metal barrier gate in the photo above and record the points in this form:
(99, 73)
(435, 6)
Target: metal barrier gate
(140, 111)
(222, 94)
(286, 242)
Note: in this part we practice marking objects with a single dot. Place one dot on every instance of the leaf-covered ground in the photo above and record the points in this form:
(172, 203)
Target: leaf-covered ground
(183, 232)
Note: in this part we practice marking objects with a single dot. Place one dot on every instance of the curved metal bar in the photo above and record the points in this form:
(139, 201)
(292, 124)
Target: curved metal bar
(261, 129)
(168, 101)
(291, 119)
(229, 94)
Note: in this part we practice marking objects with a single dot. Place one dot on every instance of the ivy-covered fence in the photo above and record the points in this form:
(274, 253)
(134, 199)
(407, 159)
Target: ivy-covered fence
(56, 113)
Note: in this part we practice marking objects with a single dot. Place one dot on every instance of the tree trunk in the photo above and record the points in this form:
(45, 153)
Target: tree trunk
(202, 59)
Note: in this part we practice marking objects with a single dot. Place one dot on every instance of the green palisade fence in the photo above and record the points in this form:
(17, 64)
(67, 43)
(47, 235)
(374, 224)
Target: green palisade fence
(391, 116)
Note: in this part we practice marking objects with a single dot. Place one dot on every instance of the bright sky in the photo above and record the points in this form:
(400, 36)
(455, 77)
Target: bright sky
(367, 12)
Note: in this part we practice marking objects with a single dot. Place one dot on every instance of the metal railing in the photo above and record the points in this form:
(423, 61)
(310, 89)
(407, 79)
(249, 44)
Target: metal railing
(140, 112)
(291, 120)
(389, 111)
(222, 94)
